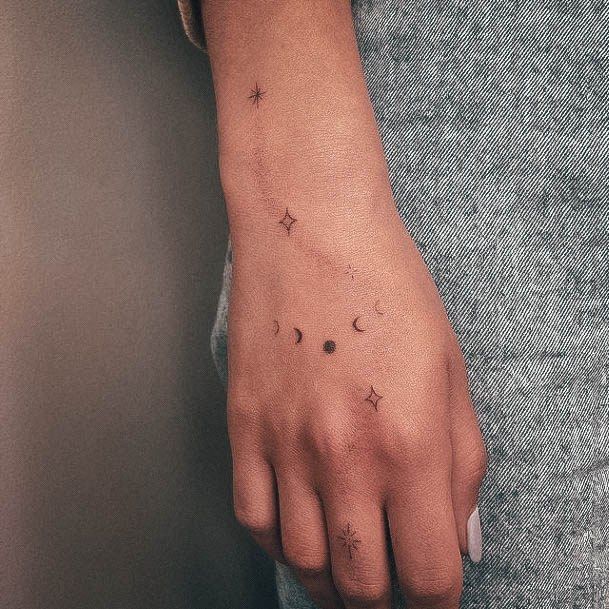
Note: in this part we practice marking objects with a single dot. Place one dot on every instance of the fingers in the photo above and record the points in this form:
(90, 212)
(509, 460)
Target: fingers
(425, 543)
(304, 540)
(469, 461)
(358, 547)
(255, 499)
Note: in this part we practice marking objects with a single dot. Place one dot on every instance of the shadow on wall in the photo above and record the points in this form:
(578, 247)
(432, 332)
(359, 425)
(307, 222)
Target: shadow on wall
(115, 460)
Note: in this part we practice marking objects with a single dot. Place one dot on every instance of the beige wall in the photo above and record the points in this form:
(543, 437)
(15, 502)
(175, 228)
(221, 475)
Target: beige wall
(114, 461)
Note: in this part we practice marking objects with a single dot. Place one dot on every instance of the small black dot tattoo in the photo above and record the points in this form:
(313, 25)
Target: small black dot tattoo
(256, 94)
(329, 346)
(350, 541)
(374, 398)
(287, 221)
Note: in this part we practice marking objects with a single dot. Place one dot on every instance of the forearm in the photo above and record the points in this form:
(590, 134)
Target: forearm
(296, 127)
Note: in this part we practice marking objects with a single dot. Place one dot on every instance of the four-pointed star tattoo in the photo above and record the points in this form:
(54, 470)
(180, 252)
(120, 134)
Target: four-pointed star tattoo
(374, 398)
(287, 221)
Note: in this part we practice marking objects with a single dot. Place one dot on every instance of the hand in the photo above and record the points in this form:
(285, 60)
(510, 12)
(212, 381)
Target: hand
(350, 419)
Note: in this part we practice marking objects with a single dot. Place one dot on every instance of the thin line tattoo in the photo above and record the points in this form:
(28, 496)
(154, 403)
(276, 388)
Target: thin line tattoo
(374, 398)
(287, 221)
(275, 327)
(376, 308)
(256, 94)
(349, 540)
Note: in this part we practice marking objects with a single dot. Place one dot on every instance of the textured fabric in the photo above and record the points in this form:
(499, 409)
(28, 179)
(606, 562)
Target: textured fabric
(495, 117)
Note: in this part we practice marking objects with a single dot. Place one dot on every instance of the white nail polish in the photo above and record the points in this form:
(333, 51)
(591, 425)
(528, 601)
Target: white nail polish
(474, 537)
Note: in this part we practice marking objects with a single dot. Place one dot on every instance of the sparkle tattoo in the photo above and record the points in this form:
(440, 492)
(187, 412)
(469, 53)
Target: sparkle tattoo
(287, 221)
(374, 398)
(351, 272)
(349, 540)
(256, 94)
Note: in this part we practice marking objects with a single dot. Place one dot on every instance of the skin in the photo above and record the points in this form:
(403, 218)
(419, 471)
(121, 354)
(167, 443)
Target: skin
(323, 480)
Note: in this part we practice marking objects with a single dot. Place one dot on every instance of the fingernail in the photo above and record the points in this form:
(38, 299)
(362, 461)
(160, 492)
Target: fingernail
(474, 537)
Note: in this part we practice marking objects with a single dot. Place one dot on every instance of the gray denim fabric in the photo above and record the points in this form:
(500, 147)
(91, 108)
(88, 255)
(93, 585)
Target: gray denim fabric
(495, 121)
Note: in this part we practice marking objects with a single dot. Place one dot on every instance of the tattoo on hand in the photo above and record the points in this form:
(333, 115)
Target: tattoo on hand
(329, 346)
(377, 308)
(349, 540)
(374, 398)
(275, 327)
(256, 94)
(298, 334)
(356, 325)
(351, 271)
(287, 221)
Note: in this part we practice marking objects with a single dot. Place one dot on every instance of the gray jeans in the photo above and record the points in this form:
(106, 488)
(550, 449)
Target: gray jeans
(495, 122)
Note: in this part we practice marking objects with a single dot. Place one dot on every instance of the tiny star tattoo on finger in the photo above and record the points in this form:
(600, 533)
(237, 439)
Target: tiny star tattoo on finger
(374, 398)
(256, 94)
(287, 221)
(349, 540)
(351, 272)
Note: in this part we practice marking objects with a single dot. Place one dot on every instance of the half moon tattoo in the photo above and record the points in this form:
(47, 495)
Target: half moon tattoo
(298, 334)
(275, 327)
(349, 540)
(376, 308)
(356, 325)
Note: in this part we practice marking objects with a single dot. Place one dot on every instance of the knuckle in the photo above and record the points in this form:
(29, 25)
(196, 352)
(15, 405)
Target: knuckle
(330, 441)
(360, 592)
(256, 523)
(430, 588)
(306, 562)
(413, 448)
(242, 413)
(479, 463)
(475, 466)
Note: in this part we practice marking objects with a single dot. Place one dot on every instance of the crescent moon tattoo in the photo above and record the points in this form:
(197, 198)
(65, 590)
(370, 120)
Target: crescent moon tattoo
(275, 327)
(355, 326)
(298, 335)
(376, 308)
